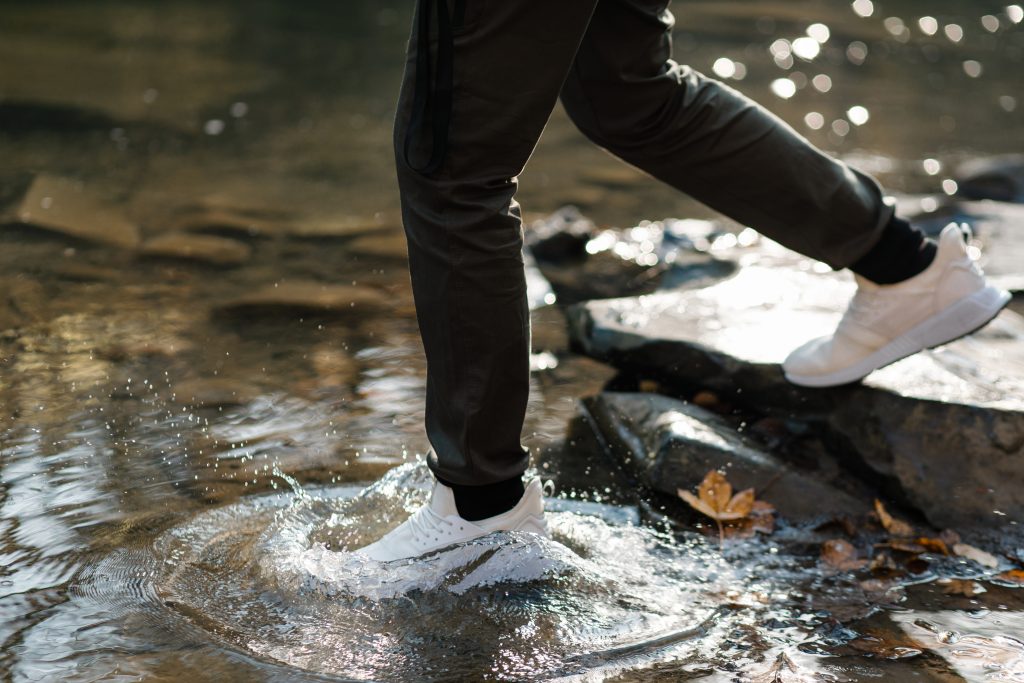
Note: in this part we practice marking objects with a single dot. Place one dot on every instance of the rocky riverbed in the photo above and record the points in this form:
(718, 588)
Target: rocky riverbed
(211, 379)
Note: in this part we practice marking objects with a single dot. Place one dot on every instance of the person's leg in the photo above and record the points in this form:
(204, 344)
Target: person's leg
(713, 143)
(457, 171)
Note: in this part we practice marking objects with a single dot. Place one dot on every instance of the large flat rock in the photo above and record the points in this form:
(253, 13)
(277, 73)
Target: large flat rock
(946, 424)
(67, 207)
(304, 296)
(670, 444)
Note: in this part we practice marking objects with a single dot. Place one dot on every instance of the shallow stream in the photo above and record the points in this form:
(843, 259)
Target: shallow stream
(180, 483)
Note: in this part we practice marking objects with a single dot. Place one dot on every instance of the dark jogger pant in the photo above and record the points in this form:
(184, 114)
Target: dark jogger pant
(481, 79)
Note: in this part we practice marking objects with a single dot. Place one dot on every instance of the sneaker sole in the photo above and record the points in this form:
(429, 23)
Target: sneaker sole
(968, 315)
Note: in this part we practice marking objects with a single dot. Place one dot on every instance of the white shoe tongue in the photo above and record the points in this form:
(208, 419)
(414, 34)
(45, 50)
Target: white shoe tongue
(442, 501)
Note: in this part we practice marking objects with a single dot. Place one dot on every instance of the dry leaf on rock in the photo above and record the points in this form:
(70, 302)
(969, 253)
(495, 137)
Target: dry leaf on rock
(934, 545)
(841, 555)
(1014, 576)
(976, 554)
(716, 500)
(903, 546)
(896, 528)
(886, 644)
(964, 587)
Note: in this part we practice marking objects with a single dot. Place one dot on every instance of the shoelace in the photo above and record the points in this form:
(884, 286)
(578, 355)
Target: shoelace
(426, 523)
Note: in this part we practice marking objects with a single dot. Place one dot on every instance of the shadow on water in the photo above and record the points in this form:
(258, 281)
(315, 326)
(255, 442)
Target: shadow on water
(186, 432)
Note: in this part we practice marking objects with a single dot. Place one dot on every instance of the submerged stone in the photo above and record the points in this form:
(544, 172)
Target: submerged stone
(946, 425)
(211, 393)
(226, 220)
(671, 444)
(221, 251)
(391, 245)
(293, 296)
(583, 263)
(1000, 178)
(67, 207)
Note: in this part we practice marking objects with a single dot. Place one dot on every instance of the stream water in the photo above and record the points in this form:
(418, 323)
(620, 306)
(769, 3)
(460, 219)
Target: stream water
(181, 485)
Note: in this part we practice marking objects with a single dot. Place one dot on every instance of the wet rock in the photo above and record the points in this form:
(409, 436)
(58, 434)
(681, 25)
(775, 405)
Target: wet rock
(217, 216)
(946, 426)
(562, 235)
(66, 207)
(226, 220)
(296, 296)
(219, 251)
(347, 226)
(584, 263)
(1000, 178)
(390, 245)
(22, 302)
(670, 444)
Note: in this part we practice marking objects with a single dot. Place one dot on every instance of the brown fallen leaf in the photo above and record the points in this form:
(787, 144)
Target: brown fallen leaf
(896, 528)
(841, 555)
(1015, 576)
(903, 546)
(760, 521)
(933, 545)
(784, 670)
(883, 563)
(964, 587)
(976, 554)
(716, 500)
(886, 644)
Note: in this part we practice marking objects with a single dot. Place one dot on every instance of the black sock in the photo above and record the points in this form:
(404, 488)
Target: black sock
(902, 252)
(480, 502)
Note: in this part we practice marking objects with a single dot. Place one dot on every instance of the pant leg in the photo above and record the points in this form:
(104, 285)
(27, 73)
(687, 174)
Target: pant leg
(702, 137)
(464, 229)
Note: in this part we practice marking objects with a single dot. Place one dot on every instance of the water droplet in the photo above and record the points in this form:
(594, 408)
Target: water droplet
(863, 8)
(858, 115)
(819, 32)
(972, 68)
(928, 25)
(990, 23)
(1015, 13)
(949, 186)
(784, 88)
(822, 83)
(1008, 103)
(814, 120)
(239, 109)
(840, 127)
(954, 32)
(931, 166)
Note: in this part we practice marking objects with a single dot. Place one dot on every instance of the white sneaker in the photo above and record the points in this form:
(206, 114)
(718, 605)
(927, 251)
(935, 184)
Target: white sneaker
(437, 525)
(885, 323)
